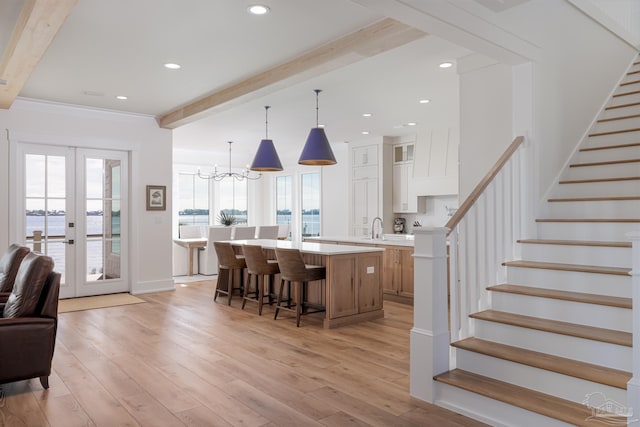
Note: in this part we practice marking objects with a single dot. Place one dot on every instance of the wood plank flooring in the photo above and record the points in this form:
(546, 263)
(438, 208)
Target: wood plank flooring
(182, 360)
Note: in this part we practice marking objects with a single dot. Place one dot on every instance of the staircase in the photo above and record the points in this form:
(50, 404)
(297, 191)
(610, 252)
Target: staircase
(557, 333)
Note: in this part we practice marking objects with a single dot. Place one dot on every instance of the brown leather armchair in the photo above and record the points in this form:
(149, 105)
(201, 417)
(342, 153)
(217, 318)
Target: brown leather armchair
(9, 264)
(29, 322)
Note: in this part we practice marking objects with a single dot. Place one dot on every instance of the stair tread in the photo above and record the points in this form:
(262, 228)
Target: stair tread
(633, 92)
(569, 267)
(562, 365)
(621, 220)
(594, 199)
(631, 104)
(565, 410)
(633, 82)
(591, 181)
(611, 162)
(576, 243)
(607, 300)
(612, 147)
(613, 119)
(554, 326)
(615, 132)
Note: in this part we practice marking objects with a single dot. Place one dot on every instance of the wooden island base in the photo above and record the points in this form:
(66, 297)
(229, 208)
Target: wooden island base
(352, 290)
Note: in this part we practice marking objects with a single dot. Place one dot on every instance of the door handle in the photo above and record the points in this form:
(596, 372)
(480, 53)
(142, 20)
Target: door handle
(70, 241)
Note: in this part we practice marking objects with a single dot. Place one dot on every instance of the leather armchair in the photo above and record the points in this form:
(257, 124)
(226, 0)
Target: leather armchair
(9, 264)
(29, 322)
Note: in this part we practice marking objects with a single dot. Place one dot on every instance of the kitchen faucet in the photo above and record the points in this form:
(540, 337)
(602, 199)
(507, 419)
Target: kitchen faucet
(373, 223)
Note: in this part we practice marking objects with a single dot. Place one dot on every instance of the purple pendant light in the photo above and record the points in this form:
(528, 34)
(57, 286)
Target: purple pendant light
(266, 159)
(317, 151)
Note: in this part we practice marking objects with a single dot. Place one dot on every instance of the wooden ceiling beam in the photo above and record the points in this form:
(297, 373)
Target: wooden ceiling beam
(368, 41)
(35, 29)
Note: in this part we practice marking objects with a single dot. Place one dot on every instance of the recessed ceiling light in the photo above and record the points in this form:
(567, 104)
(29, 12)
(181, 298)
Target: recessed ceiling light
(258, 9)
(172, 66)
(121, 97)
(424, 101)
(365, 132)
(411, 124)
(446, 65)
(366, 115)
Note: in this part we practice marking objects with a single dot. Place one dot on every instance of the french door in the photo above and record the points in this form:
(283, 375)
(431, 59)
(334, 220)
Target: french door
(72, 205)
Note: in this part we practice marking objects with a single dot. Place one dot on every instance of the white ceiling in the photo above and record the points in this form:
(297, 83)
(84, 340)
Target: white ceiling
(117, 47)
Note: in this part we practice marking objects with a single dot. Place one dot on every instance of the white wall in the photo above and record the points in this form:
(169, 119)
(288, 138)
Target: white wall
(577, 67)
(485, 119)
(151, 158)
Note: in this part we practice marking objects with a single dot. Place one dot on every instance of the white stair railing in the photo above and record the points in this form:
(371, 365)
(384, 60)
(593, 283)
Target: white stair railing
(481, 235)
(633, 386)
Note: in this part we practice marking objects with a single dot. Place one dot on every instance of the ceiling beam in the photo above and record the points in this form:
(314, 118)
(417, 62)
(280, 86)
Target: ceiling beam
(35, 29)
(369, 41)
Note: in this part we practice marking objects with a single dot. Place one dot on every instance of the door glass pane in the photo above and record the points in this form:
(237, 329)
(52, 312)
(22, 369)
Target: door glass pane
(45, 207)
(310, 204)
(103, 203)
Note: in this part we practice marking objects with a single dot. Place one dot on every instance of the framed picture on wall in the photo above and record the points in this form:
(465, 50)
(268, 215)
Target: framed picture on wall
(156, 197)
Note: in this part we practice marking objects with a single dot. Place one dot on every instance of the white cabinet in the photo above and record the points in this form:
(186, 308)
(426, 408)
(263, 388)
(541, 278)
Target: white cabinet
(404, 200)
(403, 153)
(364, 188)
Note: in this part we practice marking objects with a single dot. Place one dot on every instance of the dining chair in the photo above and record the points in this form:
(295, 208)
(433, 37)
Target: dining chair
(243, 232)
(283, 231)
(207, 257)
(268, 232)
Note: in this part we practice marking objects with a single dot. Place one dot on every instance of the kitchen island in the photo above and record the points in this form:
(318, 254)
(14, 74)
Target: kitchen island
(397, 265)
(352, 290)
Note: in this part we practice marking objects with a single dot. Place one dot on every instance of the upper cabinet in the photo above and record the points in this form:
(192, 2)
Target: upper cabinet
(365, 195)
(402, 194)
(403, 153)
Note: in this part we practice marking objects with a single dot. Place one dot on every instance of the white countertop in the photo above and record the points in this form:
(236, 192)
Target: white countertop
(308, 247)
(367, 240)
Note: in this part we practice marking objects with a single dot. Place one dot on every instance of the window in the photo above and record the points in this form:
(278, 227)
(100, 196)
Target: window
(283, 199)
(310, 204)
(232, 199)
(193, 200)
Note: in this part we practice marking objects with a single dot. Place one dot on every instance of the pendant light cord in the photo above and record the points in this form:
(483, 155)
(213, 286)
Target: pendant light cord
(317, 91)
(266, 121)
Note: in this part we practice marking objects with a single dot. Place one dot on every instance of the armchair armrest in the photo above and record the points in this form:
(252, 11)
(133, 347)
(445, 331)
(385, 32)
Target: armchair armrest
(26, 347)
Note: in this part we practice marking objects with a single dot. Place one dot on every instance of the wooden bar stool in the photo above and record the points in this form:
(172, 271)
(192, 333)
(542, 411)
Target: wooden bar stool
(228, 262)
(294, 270)
(258, 266)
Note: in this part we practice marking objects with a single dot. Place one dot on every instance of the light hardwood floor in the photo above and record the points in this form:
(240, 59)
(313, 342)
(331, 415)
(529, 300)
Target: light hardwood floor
(181, 359)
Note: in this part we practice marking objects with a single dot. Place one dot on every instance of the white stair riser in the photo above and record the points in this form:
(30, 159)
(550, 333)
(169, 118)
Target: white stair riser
(563, 386)
(620, 170)
(594, 209)
(608, 155)
(612, 139)
(489, 411)
(590, 283)
(603, 231)
(585, 255)
(596, 352)
(615, 125)
(595, 315)
(626, 99)
(632, 87)
(622, 111)
(598, 189)
(630, 77)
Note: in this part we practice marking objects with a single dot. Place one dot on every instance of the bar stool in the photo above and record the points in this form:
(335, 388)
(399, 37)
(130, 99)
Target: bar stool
(258, 266)
(294, 270)
(228, 262)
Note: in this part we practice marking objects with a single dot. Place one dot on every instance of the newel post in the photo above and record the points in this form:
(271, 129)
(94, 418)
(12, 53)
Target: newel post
(633, 386)
(430, 332)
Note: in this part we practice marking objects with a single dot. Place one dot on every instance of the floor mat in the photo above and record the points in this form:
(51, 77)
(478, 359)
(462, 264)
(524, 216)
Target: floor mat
(100, 301)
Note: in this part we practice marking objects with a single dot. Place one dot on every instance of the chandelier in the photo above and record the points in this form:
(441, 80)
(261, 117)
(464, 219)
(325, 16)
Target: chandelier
(219, 176)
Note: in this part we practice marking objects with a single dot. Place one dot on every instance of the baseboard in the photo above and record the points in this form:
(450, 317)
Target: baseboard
(398, 298)
(153, 286)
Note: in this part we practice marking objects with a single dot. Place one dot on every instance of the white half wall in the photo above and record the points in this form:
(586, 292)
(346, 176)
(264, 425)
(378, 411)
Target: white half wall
(150, 151)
